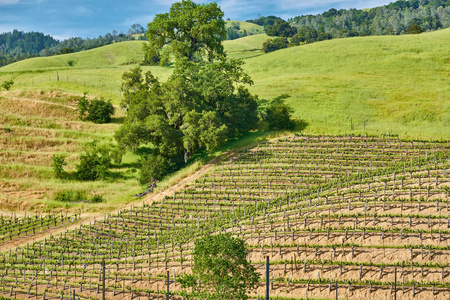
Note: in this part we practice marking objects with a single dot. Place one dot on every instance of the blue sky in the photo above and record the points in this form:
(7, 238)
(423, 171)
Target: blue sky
(91, 18)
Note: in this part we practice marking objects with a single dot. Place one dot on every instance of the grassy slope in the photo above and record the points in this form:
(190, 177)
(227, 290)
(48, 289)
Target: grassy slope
(33, 127)
(397, 84)
(247, 26)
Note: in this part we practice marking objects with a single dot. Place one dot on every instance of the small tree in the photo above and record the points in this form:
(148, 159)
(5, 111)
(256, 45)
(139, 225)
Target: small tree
(82, 106)
(221, 266)
(59, 161)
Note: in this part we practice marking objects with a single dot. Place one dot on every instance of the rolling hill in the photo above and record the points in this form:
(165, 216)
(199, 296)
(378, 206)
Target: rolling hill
(380, 84)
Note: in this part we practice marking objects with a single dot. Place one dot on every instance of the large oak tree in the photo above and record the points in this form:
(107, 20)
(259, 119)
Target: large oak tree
(190, 30)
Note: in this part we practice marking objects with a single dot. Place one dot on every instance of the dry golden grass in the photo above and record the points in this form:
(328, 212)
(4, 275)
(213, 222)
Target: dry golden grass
(36, 125)
(38, 144)
(36, 108)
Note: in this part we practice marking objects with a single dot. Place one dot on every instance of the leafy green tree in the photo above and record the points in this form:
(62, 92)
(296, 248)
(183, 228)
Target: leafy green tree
(278, 115)
(275, 44)
(59, 161)
(189, 30)
(154, 167)
(199, 107)
(222, 268)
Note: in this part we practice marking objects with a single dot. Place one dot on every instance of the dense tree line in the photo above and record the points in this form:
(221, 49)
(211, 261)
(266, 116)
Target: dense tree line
(19, 45)
(395, 18)
(265, 21)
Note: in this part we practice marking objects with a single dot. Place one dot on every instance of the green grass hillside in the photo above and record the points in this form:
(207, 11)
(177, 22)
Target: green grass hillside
(250, 28)
(395, 84)
(383, 84)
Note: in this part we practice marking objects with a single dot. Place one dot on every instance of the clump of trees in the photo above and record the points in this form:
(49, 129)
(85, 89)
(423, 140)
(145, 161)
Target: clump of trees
(303, 35)
(281, 28)
(394, 18)
(275, 44)
(265, 21)
(221, 270)
(98, 110)
(201, 105)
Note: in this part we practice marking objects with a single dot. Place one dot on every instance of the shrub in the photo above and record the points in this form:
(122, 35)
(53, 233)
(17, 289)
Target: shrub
(71, 196)
(7, 84)
(155, 167)
(82, 106)
(59, 161)
(97, 199)
(97, 111)
(94, 163)
(77, 196)
(100, 111)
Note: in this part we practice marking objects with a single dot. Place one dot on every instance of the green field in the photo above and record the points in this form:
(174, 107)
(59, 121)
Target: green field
(383, 84)
(392, 84)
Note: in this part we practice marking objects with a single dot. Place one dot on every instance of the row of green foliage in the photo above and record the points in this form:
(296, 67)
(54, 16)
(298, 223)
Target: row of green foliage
(77, 196)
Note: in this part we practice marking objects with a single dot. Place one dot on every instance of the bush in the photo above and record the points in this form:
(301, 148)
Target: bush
(77, 196)
(7, 84)
(97, 111)
(71, 196)
(278, 115)
(59, 161)
(94, 163)
(82, 106)
(97, 199)
(100, 111)
(155, 167)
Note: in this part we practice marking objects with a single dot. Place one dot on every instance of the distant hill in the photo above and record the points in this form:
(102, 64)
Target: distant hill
(394, 18)
(18, 45)
(238, 29)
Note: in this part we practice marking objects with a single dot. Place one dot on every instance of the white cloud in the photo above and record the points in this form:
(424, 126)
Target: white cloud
(6, 2)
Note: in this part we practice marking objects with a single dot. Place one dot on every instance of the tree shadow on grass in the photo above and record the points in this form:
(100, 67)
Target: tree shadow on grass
(118, 120)
(300, 125)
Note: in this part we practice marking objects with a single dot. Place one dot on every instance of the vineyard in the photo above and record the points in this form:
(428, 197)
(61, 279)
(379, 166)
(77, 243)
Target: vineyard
(336, 217)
